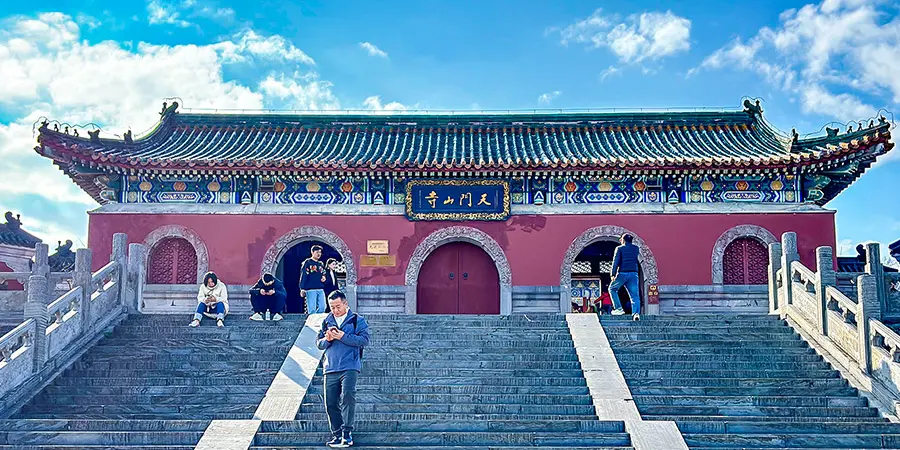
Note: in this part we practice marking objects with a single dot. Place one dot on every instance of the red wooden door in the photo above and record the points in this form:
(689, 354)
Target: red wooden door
(458, 278)
(172, 261)
(437, 291)
(745, 261)
(479, 285)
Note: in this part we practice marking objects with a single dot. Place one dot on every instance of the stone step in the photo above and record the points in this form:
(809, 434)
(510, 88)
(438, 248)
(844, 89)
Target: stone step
(363, 416)
(96, 447)
(752, 400)
(175, 364)
(728, 373)
(846, 441)
(469, 365)
(198, 411)
(815, 427)
(548, 382)
(317, 388)
(769, 411)
(97, 438)
(164, 381)
(555, 426)
(664, 345)
(742, 391)
(144, 399)
(175, 391)
(405, 439)
(478, 345)
(440, 328)
(739, 382)
(51, 415)
(431, 447)
(112, 350)
(211, 342)
(373, 354)
(728, 365)
(101, 425)
(383, 338)
(767, 419)
(720, 328)
(495, 399)
(209, 375)
(460, 408)
(634, 358)
(484, 373)
(485, 353)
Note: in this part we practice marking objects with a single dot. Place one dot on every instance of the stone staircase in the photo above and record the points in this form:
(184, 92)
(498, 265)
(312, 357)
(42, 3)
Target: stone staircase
(745, 381)
(454, 382)
(155, 383)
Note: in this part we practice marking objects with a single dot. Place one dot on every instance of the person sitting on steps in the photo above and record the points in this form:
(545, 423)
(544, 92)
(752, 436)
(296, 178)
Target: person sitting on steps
(212, 300)
(625, 273)
(268, 298)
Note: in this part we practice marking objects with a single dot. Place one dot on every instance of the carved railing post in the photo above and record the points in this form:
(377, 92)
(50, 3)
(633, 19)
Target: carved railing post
(876, 269)
(136, 277)
(36, 308)
(82, 277)
(867, 293)
(774, 266)
(41, 266)
(788, 256)
(825, 276)
(119, 247)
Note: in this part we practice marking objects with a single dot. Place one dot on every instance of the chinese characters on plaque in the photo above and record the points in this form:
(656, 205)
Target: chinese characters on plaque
(457, 200)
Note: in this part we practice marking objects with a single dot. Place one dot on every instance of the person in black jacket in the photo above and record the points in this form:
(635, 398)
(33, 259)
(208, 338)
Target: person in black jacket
(331, 281)
(625, 273)
(267, 296)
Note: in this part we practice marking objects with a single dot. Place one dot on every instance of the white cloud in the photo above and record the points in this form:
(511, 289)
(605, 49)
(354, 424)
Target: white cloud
(610, 71)
(639, 37)
(826, 56)
(374, 104)
(159, 13)
(547, 97)
(50, 70)
(373, 50)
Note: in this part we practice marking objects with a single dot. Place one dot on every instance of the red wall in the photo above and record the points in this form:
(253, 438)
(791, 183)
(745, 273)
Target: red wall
(11, 285)
(535, 245)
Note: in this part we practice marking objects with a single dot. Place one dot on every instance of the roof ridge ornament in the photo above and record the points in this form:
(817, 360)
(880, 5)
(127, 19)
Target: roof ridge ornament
(753, 109)
(168, 109)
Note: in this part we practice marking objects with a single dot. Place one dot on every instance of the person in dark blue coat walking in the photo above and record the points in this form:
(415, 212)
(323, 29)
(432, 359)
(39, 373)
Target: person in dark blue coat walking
(268, 296)
(625, 273)
(343, 336)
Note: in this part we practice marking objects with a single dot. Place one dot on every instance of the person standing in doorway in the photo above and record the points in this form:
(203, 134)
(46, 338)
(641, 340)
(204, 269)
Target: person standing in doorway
(312, 281)
(343, 336)
(625, 273)
(331, 281)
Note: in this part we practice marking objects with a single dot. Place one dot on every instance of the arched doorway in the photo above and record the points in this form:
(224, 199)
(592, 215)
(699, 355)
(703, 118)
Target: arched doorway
(745, 261)
(592, 275)
(288, 270)
(173, 260)
(458, 278)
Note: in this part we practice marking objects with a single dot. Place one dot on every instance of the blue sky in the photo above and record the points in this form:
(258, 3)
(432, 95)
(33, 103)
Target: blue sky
(112, 63)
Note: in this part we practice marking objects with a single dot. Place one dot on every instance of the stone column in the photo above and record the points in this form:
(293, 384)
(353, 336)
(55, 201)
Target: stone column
(136, 277)
(36, 308)
(119, 247)
(774, 266)
(868, 306)
(788, 256)
(825, 276)
(82, 277)
(41, 265)
(876, 269)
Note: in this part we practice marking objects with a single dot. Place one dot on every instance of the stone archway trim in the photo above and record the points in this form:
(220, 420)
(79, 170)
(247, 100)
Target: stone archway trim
(718, 253)
(310, 233)
(459, 234)
(179, 231)
(605, 233)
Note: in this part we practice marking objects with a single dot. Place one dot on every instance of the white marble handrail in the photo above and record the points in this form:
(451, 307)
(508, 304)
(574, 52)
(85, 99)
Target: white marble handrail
(16, 356)
(15, 276)
(841, 304)
(885, 339)
(65, 305)
(104, 275)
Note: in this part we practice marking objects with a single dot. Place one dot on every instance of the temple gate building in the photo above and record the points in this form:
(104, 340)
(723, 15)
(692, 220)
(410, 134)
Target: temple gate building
(470, 213)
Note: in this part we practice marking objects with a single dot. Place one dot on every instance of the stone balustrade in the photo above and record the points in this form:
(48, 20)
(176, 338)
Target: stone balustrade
(58, 329)
(847, 329)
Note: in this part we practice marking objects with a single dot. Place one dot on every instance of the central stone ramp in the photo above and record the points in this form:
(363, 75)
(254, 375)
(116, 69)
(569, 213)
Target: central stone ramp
(745, 381)
(454, 382)
(155, 383)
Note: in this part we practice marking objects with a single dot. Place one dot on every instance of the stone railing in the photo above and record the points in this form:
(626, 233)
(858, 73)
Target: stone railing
(58, 330)
(847, 329)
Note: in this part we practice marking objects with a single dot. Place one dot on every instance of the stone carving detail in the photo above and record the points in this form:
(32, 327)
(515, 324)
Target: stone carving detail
(608, 233)
(741, 231)
(458, 234)
(309, 233)
(168, 231)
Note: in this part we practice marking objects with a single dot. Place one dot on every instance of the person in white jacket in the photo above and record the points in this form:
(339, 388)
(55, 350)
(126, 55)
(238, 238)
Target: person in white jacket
(212, 300)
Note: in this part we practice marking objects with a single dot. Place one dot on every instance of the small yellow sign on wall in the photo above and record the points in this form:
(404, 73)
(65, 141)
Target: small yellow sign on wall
(378, 260)
(377, 247)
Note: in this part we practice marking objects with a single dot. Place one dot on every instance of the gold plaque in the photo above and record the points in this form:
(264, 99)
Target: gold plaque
(368, 261)
(377, 247)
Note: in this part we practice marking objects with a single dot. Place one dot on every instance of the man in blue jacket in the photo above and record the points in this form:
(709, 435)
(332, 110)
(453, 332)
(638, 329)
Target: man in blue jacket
(268, 296)
(343, 336)
(625, 273)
